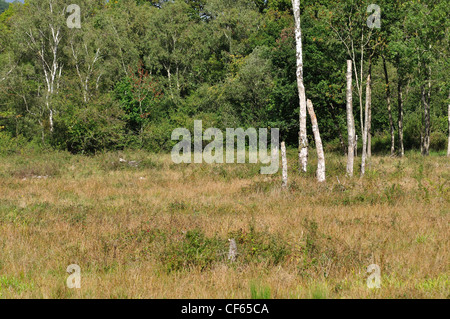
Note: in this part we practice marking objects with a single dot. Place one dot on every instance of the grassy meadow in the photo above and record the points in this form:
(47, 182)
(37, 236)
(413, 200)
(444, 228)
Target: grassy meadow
(161, 230)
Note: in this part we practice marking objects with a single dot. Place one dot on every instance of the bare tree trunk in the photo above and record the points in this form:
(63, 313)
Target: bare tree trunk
(448, 149)
(350, 121)
(427, 116)
(426, 125)
(360, 91)
(366, 126)
(369, 105)
(84, 77)
(303, 141)
(388, 99)
(50, 119)
(45, 43)
(369, 128)
(400, 117)
(318, 140)
(284, 165)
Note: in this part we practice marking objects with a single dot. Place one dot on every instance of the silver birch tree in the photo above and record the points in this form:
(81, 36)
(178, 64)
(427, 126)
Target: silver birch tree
(319, 148)
(303, 141)
(350, 121)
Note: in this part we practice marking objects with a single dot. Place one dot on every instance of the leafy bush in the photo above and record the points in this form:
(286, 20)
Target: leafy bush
(438, 141)
(411, 131)
(381, 143)
(195, 250)
(139, 96)
(9, 144)
(90, 129)
(334, 146)
(156, 136)
(254, 246)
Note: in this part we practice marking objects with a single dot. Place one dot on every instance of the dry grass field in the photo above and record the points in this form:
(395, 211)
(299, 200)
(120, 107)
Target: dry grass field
(161, 230)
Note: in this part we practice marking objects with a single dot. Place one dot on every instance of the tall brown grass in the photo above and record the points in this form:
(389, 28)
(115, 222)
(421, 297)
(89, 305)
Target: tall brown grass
(161, 230)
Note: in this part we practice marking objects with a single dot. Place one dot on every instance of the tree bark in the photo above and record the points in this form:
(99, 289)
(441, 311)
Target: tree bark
(448, 149)
(369, 105)
(426, 124)
(350, 121)
(303, 141)
(427, 116)
(400, 117)
(366, 125)
(284, 165)
(45, 43)
(369, 128)
(85, 76)
(318, 141)
(388, 100)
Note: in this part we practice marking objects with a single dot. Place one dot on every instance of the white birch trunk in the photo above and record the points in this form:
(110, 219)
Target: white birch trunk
(350, 121)
(45, 43)
(318, 140)
(303, 141)
(284, 165)
(84, 77)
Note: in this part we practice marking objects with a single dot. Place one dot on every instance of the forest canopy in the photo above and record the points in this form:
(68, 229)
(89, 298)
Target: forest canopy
(137, 69)
(3, 5)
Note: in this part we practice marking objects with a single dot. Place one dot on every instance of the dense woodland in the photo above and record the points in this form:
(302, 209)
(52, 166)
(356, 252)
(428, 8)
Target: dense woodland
(136, 70)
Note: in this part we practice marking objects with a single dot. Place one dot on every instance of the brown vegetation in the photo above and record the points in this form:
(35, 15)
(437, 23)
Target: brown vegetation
(161, 230)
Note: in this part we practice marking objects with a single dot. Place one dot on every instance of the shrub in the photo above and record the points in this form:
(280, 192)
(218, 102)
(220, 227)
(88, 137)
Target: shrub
(334, 146)
(10, 144)
(157, 136)
(254, 246)
(381, 143)
(411, 131)
(438, 141)
(195, 250)
(90, 129)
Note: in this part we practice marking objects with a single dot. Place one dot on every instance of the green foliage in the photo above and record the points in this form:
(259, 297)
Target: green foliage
(259, 292)
(319, 292)
(142, 68)
(16, 284)
(3, 5)
(259, 246)
(90, 129)
(156, 136)
(138, 95)
(438, 141)
(9, 144)
(195, 250)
